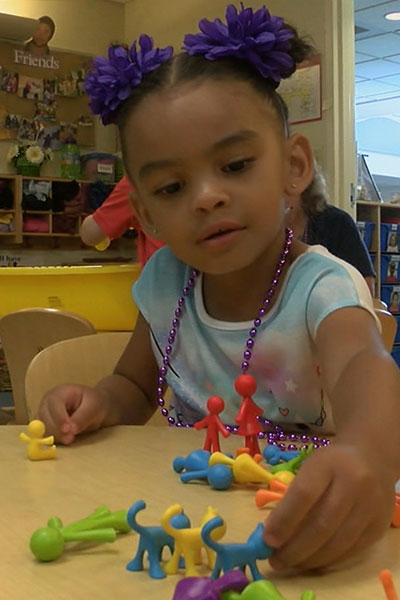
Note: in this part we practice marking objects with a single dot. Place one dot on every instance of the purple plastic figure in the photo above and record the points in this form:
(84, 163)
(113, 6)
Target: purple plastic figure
(204, 588)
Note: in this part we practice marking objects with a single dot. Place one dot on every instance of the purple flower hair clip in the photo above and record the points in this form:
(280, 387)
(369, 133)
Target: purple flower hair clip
(112, 79)
(257, 37)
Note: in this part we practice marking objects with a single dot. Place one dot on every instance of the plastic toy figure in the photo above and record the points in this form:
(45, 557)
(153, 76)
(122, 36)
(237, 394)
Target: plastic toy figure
(195, 461)
(188, 541)
(47, 543)
(274, 455)
(199, 588)
(231, 586)
(35, 442)
(152, 540)
(386, 579)
(215, 405)
(231, 556)
(249, 427)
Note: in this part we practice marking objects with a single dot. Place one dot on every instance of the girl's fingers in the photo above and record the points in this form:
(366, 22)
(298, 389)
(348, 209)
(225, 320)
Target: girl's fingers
(317, 527)
(343, 541)
(303, 494)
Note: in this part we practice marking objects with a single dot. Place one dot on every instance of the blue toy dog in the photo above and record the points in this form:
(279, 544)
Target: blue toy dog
(152, 540)
(230, 556)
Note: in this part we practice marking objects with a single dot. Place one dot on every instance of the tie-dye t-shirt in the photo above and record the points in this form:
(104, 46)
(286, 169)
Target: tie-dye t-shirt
(207, 353)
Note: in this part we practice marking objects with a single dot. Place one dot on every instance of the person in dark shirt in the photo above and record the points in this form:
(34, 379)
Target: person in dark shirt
(315, 221)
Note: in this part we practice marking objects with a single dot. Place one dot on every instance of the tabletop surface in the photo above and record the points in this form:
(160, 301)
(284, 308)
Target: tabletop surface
(116, 467)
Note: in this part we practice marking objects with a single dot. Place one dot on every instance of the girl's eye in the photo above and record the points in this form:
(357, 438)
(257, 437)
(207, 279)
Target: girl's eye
(170, 189)
(237, 165)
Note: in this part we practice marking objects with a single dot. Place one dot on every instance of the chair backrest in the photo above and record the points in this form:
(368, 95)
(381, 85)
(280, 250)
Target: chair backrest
(24, 333)
(83, 360)
(389, 327)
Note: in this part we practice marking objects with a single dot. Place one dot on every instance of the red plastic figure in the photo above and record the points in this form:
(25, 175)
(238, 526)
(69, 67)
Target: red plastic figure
(212, 422)
(249, 427)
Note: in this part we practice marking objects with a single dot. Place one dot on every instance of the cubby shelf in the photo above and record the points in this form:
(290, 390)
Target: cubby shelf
(17, 235)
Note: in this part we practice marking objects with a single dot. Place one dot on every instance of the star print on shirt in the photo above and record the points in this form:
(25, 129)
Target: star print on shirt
(291, 386)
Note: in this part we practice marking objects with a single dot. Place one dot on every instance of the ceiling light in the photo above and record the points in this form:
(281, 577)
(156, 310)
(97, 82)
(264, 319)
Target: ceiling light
(393, 16)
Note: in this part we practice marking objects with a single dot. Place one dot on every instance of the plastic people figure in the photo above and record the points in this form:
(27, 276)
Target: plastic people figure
(249, 427)
(47, 543)
(35, 441)
(215, 405)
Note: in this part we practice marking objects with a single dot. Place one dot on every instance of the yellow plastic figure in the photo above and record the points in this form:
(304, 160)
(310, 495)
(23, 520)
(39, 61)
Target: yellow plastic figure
(188, 542)
(35, 442)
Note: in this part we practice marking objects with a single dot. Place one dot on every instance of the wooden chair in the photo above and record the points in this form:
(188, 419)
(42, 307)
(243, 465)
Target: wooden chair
(24, 333)
(83, 360)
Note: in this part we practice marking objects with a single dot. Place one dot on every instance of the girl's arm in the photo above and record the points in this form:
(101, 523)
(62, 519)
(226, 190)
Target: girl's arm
(131, 389)
(125, 397)
(343, 496)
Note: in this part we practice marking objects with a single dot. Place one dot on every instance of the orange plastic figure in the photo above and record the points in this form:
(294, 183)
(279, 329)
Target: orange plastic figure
(215, 405)
(36, 442)
(249, 427)
(396, 512)
(387, 582)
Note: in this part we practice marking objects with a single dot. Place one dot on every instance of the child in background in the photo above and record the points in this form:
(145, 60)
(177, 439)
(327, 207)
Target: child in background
(112, 219)
(215, 172)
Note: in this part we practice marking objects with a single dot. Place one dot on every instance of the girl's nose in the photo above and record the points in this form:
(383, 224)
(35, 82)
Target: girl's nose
(208, 198)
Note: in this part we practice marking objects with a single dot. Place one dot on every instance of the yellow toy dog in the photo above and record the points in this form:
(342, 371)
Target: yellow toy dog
(188, 542)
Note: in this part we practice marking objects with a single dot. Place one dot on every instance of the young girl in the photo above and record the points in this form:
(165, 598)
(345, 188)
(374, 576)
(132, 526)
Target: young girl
(215, 171)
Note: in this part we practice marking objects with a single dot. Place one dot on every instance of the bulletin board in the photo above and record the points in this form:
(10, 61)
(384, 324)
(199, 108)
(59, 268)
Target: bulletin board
(42, 97)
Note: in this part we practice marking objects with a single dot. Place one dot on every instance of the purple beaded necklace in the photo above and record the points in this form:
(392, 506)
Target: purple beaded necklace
(277, 436)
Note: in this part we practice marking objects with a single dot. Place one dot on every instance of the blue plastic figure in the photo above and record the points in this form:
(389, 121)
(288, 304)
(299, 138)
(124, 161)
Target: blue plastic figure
(231, 556)
(274, 455)
(152, 540)
(195, 461)
(219, 477)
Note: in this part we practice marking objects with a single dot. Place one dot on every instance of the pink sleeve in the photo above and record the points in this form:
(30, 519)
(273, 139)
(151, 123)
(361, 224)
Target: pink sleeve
(115, 215)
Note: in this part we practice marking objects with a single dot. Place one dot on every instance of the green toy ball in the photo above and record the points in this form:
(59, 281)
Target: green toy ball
(47, 544)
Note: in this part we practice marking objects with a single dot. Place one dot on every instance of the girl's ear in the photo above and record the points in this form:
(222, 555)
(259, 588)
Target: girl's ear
(142, 214)
(300, 165)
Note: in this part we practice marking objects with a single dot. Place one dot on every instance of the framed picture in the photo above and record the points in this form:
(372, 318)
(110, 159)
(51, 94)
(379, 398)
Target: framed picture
(302, 92)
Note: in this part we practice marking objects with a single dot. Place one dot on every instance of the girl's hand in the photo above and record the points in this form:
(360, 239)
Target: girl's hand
(70, 409)
(340, 502)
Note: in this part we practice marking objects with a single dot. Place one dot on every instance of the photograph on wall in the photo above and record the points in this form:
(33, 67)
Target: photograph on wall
(30, 88)
(12, 121)
(68, 131)
(66, 86)
(49, 91)
(45, 112)
(29, 129)
(302, 92)
(79, 77)
(9, 81)
(49, 137)
(39, 43)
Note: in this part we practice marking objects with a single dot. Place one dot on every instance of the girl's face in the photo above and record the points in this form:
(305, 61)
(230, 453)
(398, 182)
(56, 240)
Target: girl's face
(211, 168)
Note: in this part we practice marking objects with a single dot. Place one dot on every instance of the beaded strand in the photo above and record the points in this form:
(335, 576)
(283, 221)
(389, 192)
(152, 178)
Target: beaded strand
(277, 436)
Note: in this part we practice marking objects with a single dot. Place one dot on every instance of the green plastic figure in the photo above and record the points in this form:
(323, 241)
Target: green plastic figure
(262, 590)
(102, 525)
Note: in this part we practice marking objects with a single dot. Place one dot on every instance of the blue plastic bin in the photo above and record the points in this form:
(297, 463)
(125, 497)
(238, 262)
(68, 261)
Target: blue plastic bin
(388, 295)
(390, 237)
(397, 338)
(366, 229)
(396, 355)
(390, 268)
